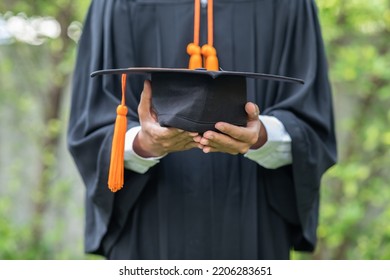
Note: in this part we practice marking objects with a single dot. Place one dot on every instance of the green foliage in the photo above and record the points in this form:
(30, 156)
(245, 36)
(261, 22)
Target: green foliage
(39, 214)
(355, 193)
(33, 222)
(72, 10)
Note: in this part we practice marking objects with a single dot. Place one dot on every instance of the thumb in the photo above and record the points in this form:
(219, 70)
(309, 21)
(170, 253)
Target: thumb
(145, 104)
(252, 111)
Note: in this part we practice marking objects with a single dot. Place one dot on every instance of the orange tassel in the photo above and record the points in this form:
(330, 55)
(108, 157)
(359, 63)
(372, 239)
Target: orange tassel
(193, 49)
(210, 23)
(211, 60)
(116, 172)
(208, 51)
(195, 57)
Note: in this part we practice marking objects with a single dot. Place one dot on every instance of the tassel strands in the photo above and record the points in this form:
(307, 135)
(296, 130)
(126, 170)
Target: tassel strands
(208, 51)
(193, 49)
(116, 172)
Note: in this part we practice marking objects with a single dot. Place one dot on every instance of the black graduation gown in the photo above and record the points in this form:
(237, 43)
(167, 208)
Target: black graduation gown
(193, 205)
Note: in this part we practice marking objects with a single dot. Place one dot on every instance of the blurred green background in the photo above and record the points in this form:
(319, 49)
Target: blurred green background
(41, 194)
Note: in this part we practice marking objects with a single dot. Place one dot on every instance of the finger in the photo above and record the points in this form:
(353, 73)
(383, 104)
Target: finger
(209, 149)
(250, 132)
(184, 144)
(197, 138)
(154, 114)
(225, 143)
(191, 145)
(237, 132)
(171, 139)
(252, 111)
(221, 142)
(168, 133)
(145, 104)
(193, 134)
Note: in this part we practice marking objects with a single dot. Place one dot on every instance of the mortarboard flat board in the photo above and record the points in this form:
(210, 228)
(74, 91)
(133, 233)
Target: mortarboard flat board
(195, 100)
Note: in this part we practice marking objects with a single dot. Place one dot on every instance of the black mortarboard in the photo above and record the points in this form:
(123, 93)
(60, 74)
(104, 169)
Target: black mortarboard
(194, 100)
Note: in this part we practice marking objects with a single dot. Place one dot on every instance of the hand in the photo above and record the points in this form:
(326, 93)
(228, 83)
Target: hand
(154, 140)
(235, 139)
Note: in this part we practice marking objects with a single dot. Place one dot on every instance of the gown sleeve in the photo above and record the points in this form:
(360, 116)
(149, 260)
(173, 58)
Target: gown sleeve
(307, 112)
(93, 111)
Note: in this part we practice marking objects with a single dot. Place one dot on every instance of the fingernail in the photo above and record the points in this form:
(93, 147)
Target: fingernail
(209, 136)
(220, 127)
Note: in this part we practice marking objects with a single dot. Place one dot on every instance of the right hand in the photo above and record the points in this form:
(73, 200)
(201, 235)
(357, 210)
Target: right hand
(154, 140)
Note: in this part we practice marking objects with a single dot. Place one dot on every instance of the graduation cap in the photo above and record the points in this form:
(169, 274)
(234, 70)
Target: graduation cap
(195, 100)
(192, 99)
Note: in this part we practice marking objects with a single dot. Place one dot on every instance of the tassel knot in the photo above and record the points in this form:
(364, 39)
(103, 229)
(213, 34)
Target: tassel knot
(121, 110)
(211, 60)
(195, 57)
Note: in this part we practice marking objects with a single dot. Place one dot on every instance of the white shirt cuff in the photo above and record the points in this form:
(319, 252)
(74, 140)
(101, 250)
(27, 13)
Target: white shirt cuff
(133, 161)
(276, 152)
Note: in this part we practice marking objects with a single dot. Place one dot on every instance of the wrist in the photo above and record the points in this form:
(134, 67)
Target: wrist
(262, 139)
(142, 148)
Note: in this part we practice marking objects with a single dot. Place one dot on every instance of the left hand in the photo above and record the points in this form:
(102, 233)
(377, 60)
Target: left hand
(153, 140)
(235, 139)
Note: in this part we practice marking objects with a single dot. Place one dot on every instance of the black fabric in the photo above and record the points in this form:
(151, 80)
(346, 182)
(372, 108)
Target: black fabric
(193, 205)
(195, 100)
